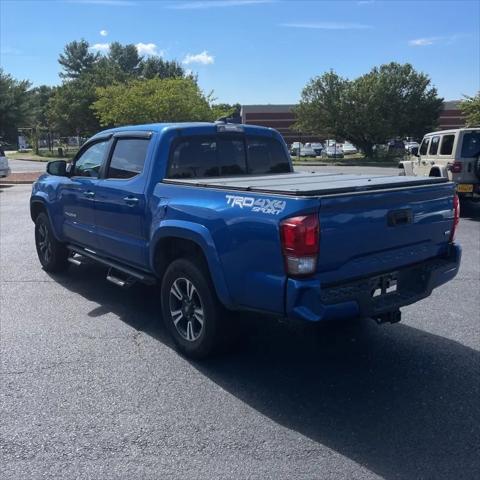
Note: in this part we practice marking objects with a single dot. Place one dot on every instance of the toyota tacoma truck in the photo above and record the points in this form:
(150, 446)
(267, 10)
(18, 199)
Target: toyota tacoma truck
(215, 215)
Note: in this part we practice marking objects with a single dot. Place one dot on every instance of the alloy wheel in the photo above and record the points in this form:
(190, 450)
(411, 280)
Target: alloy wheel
(186, 309)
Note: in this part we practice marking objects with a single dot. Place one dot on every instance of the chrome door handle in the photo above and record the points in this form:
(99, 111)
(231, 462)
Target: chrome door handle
(89, 194)
(131, 201)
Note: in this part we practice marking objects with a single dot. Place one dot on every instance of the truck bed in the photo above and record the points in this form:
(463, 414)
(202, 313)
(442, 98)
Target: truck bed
(308, 184)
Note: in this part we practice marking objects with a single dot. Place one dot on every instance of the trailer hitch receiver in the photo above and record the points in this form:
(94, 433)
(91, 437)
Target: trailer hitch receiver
(389, 317)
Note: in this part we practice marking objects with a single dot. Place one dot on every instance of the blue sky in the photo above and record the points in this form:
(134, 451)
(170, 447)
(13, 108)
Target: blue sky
(254, 51)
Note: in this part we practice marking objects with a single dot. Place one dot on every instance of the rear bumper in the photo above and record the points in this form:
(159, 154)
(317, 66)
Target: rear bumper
(309, 300)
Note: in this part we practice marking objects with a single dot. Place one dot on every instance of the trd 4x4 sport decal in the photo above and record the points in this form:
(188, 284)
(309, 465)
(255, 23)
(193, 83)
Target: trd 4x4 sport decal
(270, 206)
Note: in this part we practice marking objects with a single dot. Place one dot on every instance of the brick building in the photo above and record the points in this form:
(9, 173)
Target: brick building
(281, 118)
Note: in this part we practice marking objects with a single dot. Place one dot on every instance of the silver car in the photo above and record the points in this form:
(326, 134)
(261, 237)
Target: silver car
(4, 167)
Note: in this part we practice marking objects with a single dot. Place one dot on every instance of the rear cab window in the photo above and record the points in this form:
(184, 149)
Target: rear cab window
(227, 155)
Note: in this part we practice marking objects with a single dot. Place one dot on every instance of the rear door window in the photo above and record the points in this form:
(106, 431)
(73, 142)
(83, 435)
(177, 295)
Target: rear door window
(447, 145)
(471, 144)
(219, 155)
(424, 146)
(434, 145)
(128, 158)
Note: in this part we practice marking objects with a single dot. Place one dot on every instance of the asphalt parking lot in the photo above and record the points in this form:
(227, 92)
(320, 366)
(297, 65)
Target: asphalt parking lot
(91, 388)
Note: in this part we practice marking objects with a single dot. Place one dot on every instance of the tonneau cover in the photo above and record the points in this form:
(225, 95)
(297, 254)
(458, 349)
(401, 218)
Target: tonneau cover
(308, 183)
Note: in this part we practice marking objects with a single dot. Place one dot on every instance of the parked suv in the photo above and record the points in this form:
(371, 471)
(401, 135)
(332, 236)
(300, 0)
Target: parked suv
(453, 154)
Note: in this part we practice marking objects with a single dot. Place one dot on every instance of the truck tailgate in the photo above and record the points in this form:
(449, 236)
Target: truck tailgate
(374, 232)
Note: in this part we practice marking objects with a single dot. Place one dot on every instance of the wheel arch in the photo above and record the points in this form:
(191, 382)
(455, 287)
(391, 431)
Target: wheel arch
(39, 204)
(438, 171)
(176, 239)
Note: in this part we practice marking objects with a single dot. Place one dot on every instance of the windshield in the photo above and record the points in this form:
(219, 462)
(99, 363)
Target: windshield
(471, 145)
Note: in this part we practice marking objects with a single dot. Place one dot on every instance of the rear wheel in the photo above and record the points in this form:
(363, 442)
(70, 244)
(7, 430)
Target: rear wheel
(191, 311)
(52, 254)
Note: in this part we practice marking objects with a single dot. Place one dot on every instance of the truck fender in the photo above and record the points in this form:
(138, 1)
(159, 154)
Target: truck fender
(201, 236)
(41, 198)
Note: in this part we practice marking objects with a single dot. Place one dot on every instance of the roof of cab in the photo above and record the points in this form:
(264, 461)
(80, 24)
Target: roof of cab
(159, 127)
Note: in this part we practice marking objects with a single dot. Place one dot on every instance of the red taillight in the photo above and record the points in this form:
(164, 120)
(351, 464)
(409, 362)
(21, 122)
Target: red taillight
(456, 217)
(300, 243)
(456, 167)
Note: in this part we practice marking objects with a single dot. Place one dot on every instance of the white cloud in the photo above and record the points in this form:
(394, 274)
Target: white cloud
(203, 58)
(103, 33)
(328, 25)
(423, 42)
(365, 2)
(195, 5)
(446, 40)
(148, 49)
(100, 47)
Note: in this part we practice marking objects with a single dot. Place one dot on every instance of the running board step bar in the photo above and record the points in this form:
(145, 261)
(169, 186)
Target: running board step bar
(131, 273)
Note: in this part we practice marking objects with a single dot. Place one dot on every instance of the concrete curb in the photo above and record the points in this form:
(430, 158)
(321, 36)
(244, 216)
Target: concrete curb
(21, 178)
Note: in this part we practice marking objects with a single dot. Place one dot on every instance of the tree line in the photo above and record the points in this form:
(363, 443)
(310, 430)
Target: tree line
(102, 90)
(123, 87)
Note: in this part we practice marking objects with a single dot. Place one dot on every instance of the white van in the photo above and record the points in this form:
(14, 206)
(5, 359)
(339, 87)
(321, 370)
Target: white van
(454, 154)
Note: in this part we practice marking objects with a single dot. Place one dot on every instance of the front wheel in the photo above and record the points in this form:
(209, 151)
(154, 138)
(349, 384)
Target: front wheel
(52, 254)
(191, 311)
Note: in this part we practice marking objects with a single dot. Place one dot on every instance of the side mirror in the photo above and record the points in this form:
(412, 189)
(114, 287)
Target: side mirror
(415, 151)
(57, 167)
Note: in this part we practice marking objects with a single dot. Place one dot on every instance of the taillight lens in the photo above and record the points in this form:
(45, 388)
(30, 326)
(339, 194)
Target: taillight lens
(456, 217)
(456, 167)
(300, 244)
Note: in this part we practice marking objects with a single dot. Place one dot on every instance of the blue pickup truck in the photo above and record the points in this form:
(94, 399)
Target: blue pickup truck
(215, 215)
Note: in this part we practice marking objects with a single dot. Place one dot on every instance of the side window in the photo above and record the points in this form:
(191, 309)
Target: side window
(89, 162)
(434, 145)
(128, 158)
(447, 145)
(424, 146)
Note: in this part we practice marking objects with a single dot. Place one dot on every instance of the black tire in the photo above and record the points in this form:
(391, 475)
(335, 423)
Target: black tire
(193, 338)
(52, 254)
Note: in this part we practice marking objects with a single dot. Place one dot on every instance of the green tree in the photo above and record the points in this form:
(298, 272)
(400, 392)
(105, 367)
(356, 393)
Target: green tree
(154, 100)
(152, 67)
(15, 106)
(471, 109)
(77, 59)
(227, 110)
(69, 111)
(125, 57)
(391, 100)
(40, 98)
